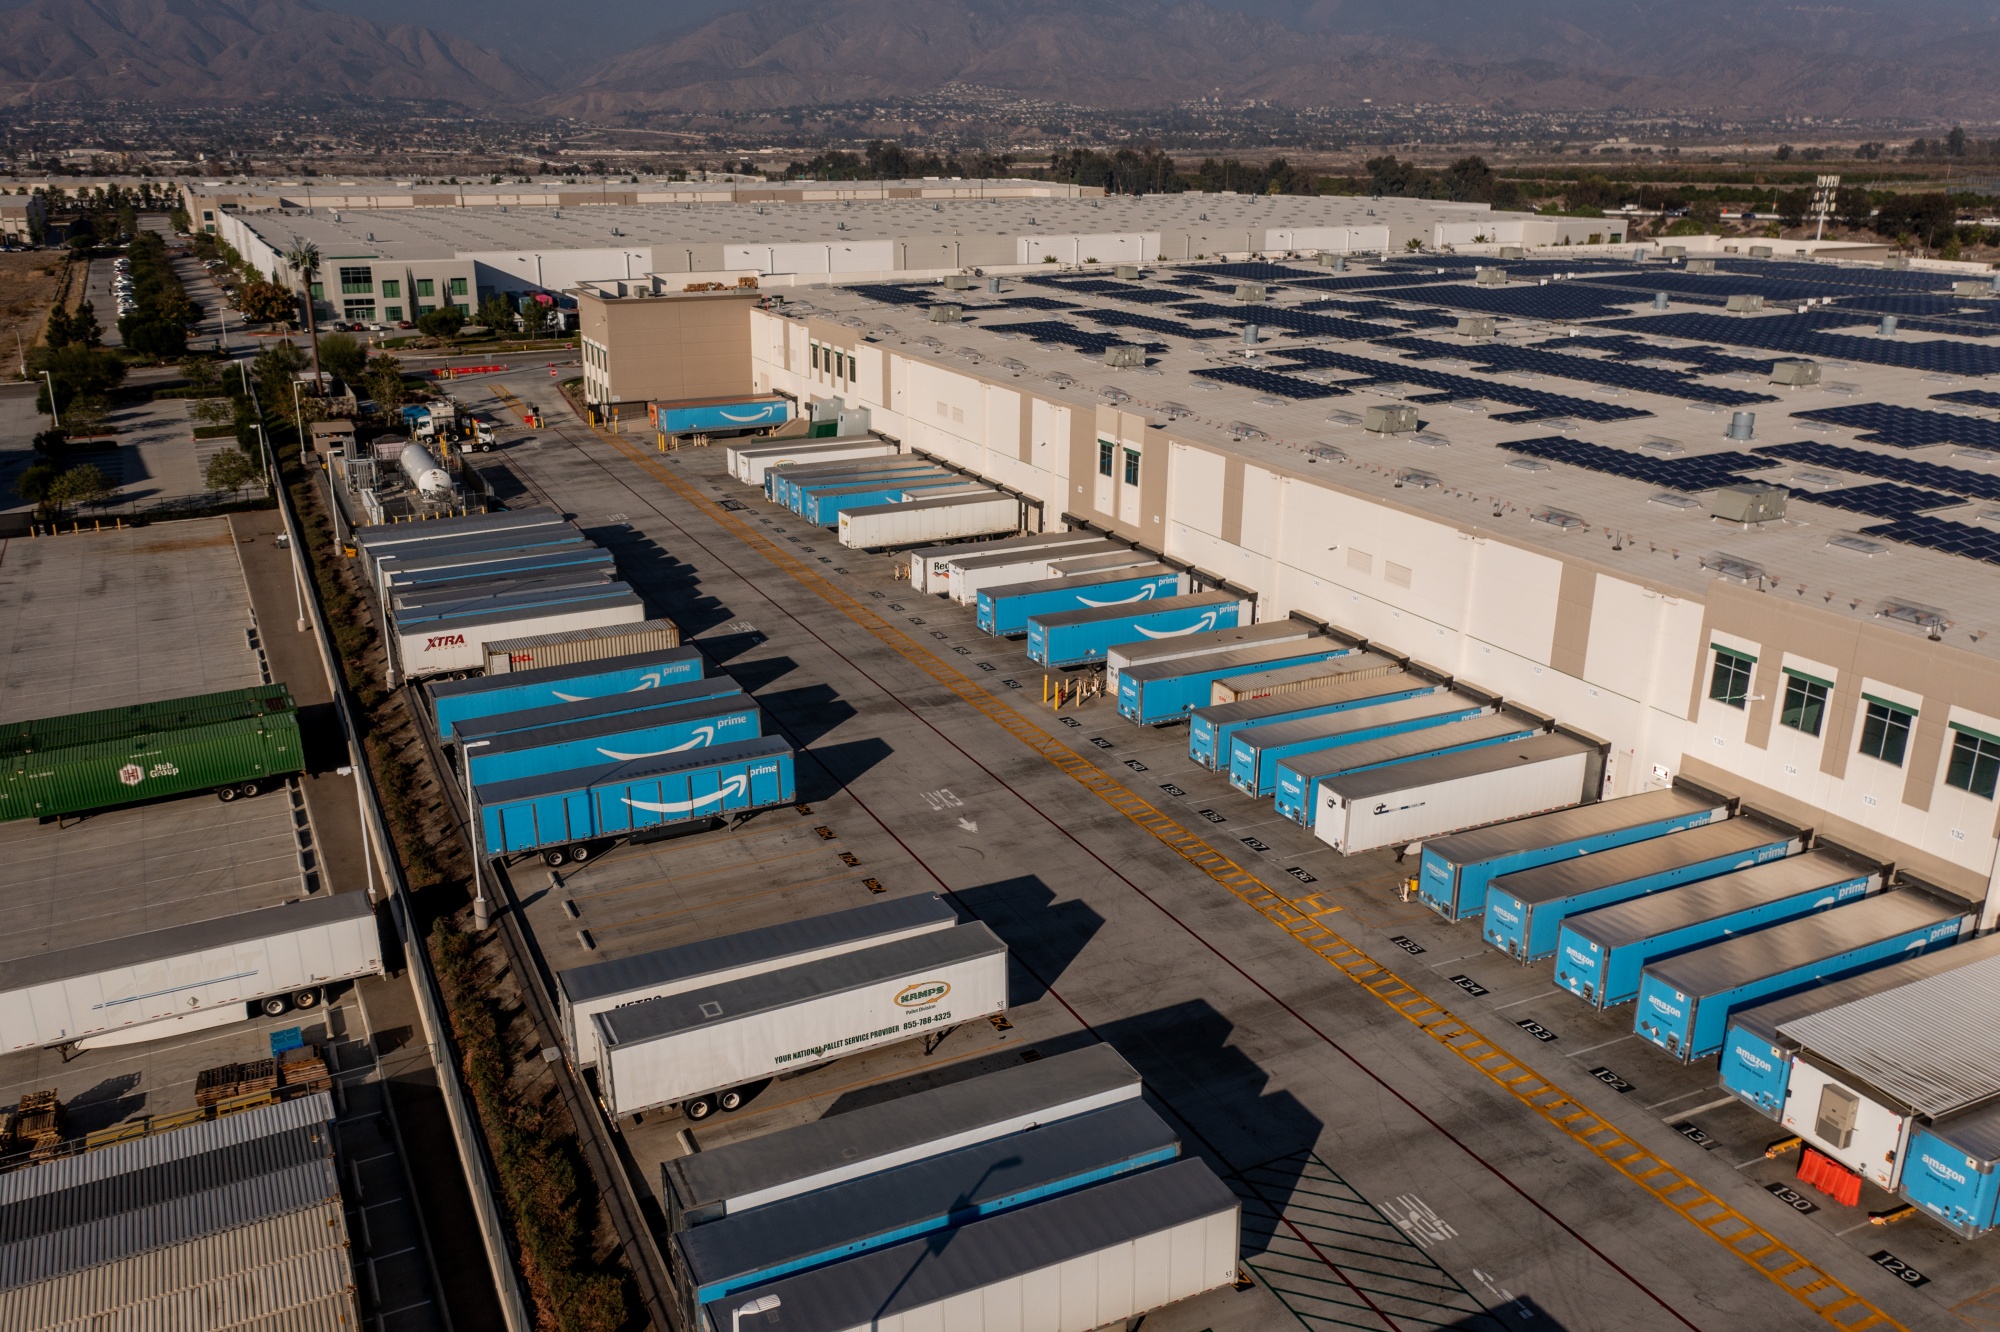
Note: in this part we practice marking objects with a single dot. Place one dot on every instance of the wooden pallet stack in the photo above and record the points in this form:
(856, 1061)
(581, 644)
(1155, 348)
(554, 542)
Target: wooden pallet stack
(37, 1124)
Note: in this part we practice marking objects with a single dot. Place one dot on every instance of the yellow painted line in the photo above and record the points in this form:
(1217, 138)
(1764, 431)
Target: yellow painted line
(1301, 918)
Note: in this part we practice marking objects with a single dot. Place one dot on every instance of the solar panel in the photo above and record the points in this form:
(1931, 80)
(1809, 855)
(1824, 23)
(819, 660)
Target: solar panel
(1883, 499)
(1154, 324)
(1975, 543)
(1705, 472)
(1259, 272)
(888, 295)
(1797, 335)
(1292, 320)
(1038, 303)
(1909, 427)
(1557, 301)
(1532, 404)
(1932, 476)
(1502, 357)
(1970, 397)
(1267, 381)
(1069, 335)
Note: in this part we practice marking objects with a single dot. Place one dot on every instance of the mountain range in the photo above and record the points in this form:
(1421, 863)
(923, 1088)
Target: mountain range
(1930, 59)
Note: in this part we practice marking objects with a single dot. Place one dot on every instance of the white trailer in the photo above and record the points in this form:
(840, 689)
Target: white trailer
(1089, 564)
(928, 567)
(968, 574)
(1448, 793)
(505, 655)
(1119, 656)
(700, 1047)
(972, 513)
(582, 992)
(441, 647)
(749, 461)
(154, 984)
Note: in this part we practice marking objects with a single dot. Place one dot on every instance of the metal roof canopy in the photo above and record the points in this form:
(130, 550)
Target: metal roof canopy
(1932, 1046)
(1619, 864)
(1976, 1133)
(1394, 750)
(1764, 1020)
(1332, 725)
(1565, 825)
(1796, 943)
(1705, 899)
(1448, 767)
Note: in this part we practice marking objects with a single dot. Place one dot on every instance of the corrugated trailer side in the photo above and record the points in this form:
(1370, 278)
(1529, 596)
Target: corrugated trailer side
(1296, 793)
(1072, 638)
(964, 578)
(693, 1045)
(1255, 751)
(622, 737)
(600, 986)
(748, 462)
(1433, 797)
(388, 536)
(787, 485)
(461, 607)
(936, 518)
(583, 709)
(1071, 566)
(824, 507)
(400, 576)
(474, 550)
(927, 566)
(1210, 729)
(1954, 1175)
(73, 994)
(1091, 1259)
(1005, 609)
(439, 647)
(506, 656)
(1155, 693)
(454, 701)
(1255, 685)
(749, 1173)
(1146, 651)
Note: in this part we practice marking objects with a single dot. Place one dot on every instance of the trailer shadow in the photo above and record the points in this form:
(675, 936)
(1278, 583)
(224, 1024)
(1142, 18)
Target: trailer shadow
(724, 647)
(834, 766)
(1043, 936)
(808, 712)
(111, 1101)
(1523, 1313)
(760, 674)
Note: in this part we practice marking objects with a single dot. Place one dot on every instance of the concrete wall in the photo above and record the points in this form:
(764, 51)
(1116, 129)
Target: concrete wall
(659, 348)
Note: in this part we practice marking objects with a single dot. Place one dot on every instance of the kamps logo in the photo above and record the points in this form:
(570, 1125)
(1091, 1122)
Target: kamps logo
(437, 641)
(923, 994)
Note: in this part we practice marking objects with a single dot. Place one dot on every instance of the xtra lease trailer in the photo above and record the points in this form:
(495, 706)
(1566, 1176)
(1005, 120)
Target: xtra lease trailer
(964, 578)
(197, 975)
(1256, 685)
(939, 518)
(691, 1047)
(1525, 910)
(750, 1173)
(576, 646)
(1296, 793)
(1006, 609)
(1072, 638)
(603, 986)
(1433, 797)
(1147, 651)
(564, 815)
(1867, 1073)
(624, 737)
(452, 570)
(1370, 679)
(1255, 751)
(233, 743)
(928, 1197)
(1600, 954)
(441, 647)
(1455, 870)
(1756, 1062)
(456, 701)
(1685, 1002)
(1155, 693)
(927, 566)
(585, 709)
(1954, 1171)
(1098, 1257)
(748, 462)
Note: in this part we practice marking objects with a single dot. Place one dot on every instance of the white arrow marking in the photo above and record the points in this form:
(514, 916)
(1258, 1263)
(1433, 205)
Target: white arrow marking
(1207, 621)
(735, 785)
(969, 825)
(703, 737)
(1143, 594)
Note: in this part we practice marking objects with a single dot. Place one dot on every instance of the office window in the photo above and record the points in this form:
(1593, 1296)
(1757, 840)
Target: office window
(1104, 453)
(392, 313)
(318, 291)
(425, 287)
(1730, 682)
(392, 288)
(1131, 467)
(458, 286)
(1975, 762)
(1885, 731)
(814, 348)
(850, 367)
(1805, 703)
(357, 281)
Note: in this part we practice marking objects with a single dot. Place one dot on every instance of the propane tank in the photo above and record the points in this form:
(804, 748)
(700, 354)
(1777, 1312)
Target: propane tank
(431, 481)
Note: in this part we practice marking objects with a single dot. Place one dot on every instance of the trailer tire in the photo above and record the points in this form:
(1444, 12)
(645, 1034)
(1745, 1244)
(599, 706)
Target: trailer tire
(275, 1006)
(249, 790)
(579, 853)
(306, 999)
(555, 857)
(698, 1109)
(730, 1100)
(225, 794)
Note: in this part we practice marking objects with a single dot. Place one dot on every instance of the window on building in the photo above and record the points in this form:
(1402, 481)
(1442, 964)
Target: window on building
(458, 286)
(1730, 681)
(392, 288)
(815, 354)
(359, 311)
(1975, 761)
(393, 313)
(319, 291)
(1131, 467)
(1805, 703)
(1885, 731)
(425, 287)
(850, 367)
(357, 281)
(1105, 451)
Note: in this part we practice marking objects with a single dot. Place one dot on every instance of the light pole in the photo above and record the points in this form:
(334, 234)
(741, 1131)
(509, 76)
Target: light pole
(54, 420)
(472, 830)
(762, 1304)
(223, 314)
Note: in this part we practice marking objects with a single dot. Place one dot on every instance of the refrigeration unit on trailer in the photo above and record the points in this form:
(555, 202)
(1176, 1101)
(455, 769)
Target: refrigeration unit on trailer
(1004, 610)
(602, 986)
(937, 518)
(973, 571)
(622, 737)
(233, 743)
(748, 462)
(564, 816)
(1099, 1257)
(1433, 797)
(441, 647)
(750, 1173)
(576, 646)
(1295, 795)
(1756, 1063)
(929, 1197)
(823, 505)
(1075, 637)
(1685, 1002)
(1600, 953)
(1146, 651)
(202, 974)
(1210, 729)
(474, 729)
(455, 570)
(690, 1048)
(1155, 693)
(455, 701)
(927, 566)
(1867, 1073)
(1455, 870)
(1255, 751)
(1954, 1171)
(1525, 910)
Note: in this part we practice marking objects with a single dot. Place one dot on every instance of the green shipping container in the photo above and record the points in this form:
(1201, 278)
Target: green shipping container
(95, 760)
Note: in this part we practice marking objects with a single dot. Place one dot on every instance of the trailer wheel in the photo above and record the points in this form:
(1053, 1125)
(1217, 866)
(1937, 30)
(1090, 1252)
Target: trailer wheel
(225, 794)
(555, 856)
(249, 790)
(730, 1100)
(275, 1006)
(306, 999)
(580, 852)
(699, 1108)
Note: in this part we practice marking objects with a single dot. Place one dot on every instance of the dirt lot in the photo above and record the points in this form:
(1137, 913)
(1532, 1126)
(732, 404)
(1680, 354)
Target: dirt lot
(26, 290)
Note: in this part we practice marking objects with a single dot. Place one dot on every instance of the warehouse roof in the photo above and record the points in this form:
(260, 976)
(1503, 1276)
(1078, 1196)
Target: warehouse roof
(1931, 1045)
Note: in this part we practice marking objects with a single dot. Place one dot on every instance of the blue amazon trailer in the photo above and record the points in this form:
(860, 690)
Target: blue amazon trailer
(1072, 638)
(824, 507)
(584, 709)
(467, 569)
(1685, 1002)
(1296, 791)
(1599, 954)
(785, 484)
(624, 737)
(1525, 910)
(1006, 609)
(929, 1197)
(439, 617)
(1155, 693)
(455, 701)
(566, 815)
(805, 493)
(543, 587)
(1756, 1061)
(711, 416)
(1210, 729)
(1454, 872)
(1952, 1171)
(1255, 751)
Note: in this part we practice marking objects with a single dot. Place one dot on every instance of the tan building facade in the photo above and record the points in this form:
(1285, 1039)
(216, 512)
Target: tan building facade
(647, 347)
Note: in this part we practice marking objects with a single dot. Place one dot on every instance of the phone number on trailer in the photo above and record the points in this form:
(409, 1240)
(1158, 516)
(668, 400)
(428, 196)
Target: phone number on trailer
(815, 1051)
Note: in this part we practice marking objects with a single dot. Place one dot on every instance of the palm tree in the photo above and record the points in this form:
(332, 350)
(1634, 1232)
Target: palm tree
(304, 260)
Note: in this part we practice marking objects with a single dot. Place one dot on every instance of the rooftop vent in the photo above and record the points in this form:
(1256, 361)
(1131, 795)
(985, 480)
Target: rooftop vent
(1252, 292)
(1174, 411)
(1562, 519)
(1796, 374)
(1490, 277)
(1928, 618)
(1343, 418)
(1128, 272)
(1431, 439)
(1418, 478)
(1744, 303)
(1668, 499)
(1112, 393)
(1660, 444)
(1060, 380)
(1511, 252)
(1017, 367)
(1749, 502)
(1244, 430)
(1325, 453)
(1735, 569)
(958, 282)
(1857, 545)
(1742, 425)
(945, 313)
(1476, 326)
(1527, 464)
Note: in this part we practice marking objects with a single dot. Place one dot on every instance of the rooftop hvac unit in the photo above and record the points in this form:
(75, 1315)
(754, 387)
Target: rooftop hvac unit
(958, 282)
(1337, 262)
(1972, 289)
(1475, 326)
(1124, 355)
(1512, 252)
(993, 286)
(1491, 277)
(1390, 419)
(1673, 251)
(1252, 292)
(1795, 373)
(1745, 304)
(1760, 252)
(945, 314)
(1128, 272)
(1749, 502)
(1897, 261)
(1701, 265)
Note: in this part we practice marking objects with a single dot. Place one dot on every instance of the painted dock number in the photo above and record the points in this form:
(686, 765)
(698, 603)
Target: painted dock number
(1407, 944)
(1792, 1198)
(1901, 1270)
(1135, 765)
(1694, 1135)
(1255, 845)
(1211, 816)
(1300, 874)
(1171, 789)
(1469, 985)
(1536, 1030)
(1100, 742)
(1611, 1080)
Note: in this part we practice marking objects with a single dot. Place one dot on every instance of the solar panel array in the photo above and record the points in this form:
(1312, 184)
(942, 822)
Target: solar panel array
(1364, 281)
(1705, 360)
(1292, 320)
(1534, 404)
(1909, 427)
(1267, 381)
(1557, 301)
(1154, 324)
(1500, 357)
(1796, 335)
(1975, 543)
(1883, 499)
(1038, 303)
(1700, 473)
(1259, 272)
(1935, 476)
(1970, 397)
(888, 295)
(1841, 276)
(1069, 335)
